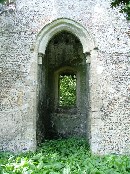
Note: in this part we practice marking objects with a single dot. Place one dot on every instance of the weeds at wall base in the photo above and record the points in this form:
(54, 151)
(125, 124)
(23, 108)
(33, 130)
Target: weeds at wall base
(64, 156)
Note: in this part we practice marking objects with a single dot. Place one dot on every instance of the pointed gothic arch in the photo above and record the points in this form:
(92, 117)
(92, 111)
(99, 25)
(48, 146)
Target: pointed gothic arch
(43, 38)
(68, 25)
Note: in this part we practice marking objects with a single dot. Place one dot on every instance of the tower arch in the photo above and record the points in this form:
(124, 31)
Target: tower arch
(43, 40)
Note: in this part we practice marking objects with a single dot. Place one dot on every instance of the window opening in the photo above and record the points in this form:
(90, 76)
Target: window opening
(67, 90)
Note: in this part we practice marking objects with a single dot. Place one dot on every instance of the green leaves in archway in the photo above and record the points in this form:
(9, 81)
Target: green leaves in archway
(67, 90)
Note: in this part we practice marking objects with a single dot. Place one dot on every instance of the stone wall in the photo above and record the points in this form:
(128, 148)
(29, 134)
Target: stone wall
(20, 24)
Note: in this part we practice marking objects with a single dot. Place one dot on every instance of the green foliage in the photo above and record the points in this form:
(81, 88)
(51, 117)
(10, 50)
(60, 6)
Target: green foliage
(125, 6)
(70, 156)
(4, 1)
(1, 1)
(67, 91)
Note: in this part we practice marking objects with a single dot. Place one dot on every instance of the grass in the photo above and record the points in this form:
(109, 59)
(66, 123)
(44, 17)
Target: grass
(69, 156)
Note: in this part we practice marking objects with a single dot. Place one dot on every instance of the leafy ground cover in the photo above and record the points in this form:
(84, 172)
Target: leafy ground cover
(69, 156)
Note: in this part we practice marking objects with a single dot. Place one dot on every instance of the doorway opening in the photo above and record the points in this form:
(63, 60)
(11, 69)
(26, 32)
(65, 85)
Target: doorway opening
(64, 88)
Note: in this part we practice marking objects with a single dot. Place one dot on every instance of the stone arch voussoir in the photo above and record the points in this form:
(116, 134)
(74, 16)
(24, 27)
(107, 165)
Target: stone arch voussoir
(68, 25)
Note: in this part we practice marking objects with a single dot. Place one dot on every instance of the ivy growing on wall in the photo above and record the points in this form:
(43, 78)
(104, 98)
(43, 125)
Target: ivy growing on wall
(6, 1)
(125, 6)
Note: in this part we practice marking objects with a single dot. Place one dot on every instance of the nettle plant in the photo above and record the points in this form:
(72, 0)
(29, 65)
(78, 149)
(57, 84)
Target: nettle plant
(68, 156)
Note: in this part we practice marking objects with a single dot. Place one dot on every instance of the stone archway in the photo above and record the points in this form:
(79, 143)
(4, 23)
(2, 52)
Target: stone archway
(44, 37)
(68, 25)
